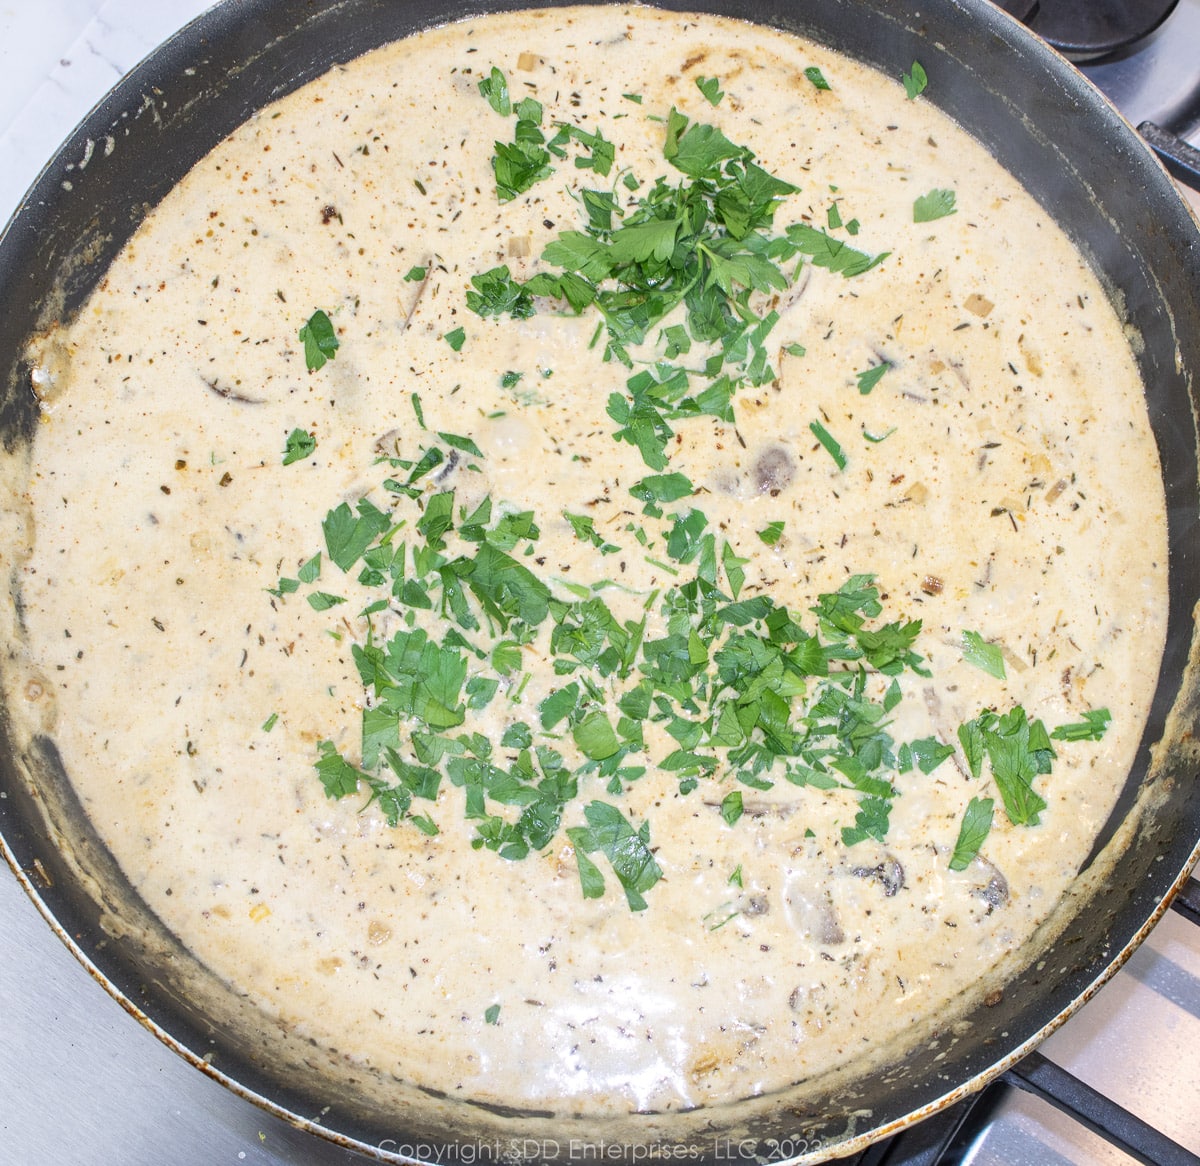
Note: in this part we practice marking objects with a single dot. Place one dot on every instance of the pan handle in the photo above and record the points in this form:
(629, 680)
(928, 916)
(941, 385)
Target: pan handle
(1181, 160)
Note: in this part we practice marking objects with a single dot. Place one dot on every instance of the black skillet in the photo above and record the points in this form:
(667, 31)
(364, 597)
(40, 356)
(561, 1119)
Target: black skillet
(1077, 157)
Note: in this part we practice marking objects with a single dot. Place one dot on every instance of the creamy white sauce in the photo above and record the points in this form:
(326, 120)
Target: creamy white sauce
(1018, 495)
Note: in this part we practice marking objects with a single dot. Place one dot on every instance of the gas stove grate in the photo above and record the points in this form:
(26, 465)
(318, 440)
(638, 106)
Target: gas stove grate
(946, 1138)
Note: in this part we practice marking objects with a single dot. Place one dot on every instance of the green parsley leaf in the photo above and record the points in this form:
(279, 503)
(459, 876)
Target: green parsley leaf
(300, 445)
(640, 242)
(988, 657)
(585, 530)
(270, 722)
(1019, 750)
(495, 88)
(870, 377)
(457, 441)
(732, 565)
(835, 255)
(455, 338)
(580, 253)
(970, 737)
(496, 293)
(492, 1014)
(522, 162)
(699, 150)
(711, 88)
(972, 832)
(347, 537)
(590, 879)
(558, 705)
(914, 85)
(517, 736)
(1091, 728)
(595, 736)
(506, 657)
(871, 821)
(628, 851)
(928, 753)
(657, 488)
(337, 775)
(772, 532)
(507, 589)
(601, 152)
(829, 442)
(937, 204)
(320, 340)
(816, 77)
(415, 274)
(731, 806)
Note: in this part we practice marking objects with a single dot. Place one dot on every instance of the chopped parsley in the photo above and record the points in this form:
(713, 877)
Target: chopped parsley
(319, 339)
(744, 688)
(711, 88)
(829, 442)
(705, 242)
(915, 82)
(585, 530)
(972, 833)
(300, 445)
(743, 692)
(1018, 751)
(495, 88)
(870, 377)
(1091, 728)
(816, 77)
(627, 850)
(988, 657)
(526, 160)
(937, 204)
(731, 807)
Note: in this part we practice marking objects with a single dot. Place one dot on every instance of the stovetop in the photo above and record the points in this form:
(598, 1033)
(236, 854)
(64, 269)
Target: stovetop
(81, 1082)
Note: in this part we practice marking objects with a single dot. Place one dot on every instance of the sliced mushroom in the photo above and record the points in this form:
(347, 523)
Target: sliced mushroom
(448, 468)
(773, 470)
(889, 874)
(811, 913)
(995, 891)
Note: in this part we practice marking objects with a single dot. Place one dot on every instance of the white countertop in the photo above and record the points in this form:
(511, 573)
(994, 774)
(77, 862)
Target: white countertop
(57, 59)
(80, 1081)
